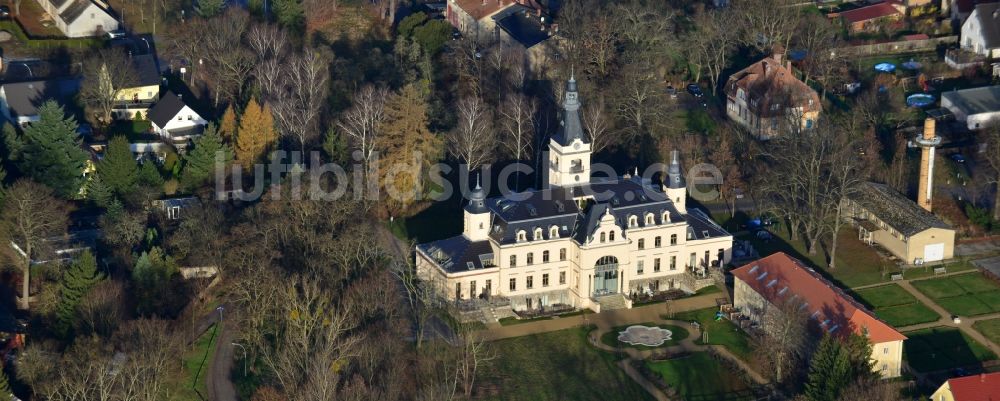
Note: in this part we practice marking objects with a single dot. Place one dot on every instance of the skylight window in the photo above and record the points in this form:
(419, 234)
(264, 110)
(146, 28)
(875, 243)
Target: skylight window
(772, 283)
(761, 276)
(754, 269)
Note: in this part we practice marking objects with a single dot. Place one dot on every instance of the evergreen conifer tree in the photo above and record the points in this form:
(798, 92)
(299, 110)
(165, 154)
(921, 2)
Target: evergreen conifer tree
(199, 163)
(118, 170)
(51, 152)
(78, 279)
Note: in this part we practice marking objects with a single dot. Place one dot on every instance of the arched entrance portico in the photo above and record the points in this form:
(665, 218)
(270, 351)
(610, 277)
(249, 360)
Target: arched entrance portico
(606, 276)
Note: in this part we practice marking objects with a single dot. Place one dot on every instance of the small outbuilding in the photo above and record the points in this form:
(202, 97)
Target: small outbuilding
(978, 108)
(886, 217)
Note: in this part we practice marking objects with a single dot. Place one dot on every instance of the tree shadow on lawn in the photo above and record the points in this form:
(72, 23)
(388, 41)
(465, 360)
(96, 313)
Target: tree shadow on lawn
(943, 348)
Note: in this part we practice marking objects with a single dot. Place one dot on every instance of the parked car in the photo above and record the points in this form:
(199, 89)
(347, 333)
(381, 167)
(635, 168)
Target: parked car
(695, 90)
(958, 158)
(4, 12)
(671, 91)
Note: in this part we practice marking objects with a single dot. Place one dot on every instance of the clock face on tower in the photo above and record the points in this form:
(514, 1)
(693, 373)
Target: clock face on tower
(576, 146)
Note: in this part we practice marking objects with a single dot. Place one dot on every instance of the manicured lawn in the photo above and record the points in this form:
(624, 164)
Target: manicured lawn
(941, 348)
(701, 377)
(965, 294)
(560, 365)
(885, 296)
(610, 338)
(989, 328)
(857, 263)
(720, 332)
(896, 306)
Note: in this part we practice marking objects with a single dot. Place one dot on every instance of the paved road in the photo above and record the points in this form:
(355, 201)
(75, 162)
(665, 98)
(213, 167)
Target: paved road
(220, 387)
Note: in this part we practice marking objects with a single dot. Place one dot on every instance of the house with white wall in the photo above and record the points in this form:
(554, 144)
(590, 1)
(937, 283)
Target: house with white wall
(81, 18)
(174, 120)
(981, 32)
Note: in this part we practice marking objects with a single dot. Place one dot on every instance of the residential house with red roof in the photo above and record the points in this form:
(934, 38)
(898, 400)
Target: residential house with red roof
(762, 288)
(872, 18)
(473, 17)
(981, 387)
(766, 98)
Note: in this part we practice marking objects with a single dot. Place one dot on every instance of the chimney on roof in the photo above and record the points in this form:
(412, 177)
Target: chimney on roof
(778, 53)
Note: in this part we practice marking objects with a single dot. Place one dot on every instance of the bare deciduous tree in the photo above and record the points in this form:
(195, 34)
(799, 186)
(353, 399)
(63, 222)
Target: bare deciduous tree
(299, 105)
(517, 121)
(106, 74)
(227, 58)
(362, 121)
(992, 157)
(473, 140)
(711, 46)
(597, 124)
(31, 214)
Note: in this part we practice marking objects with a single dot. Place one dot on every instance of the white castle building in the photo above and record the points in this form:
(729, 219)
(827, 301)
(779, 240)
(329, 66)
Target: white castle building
(579, 242)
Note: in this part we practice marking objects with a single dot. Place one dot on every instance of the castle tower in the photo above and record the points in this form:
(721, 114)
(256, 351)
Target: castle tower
(477, 215)
(675, 188)
(569, 149)
(928, 141)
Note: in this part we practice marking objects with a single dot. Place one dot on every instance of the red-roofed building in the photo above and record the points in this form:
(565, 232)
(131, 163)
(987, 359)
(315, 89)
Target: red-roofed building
(761, 286)
(872, 18)
(982, 387)
(767, 98)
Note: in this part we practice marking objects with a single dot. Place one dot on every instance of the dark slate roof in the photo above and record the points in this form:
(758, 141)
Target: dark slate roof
(74, 11)
(989, 23)
(985, 99)
(895, 209)
(524, 27)
(147, 71)
(701, 226)
(58, 3)
(624, 197)
(530, 210)
(166, 109)
(24, 98)
(458, 254)
(570, 128)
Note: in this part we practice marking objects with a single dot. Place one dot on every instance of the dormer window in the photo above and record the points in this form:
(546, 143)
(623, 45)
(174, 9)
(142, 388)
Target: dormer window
(649, 219)
(522, 236)
(633, 221)
(665, 217)
(553, 232)
(538, 234)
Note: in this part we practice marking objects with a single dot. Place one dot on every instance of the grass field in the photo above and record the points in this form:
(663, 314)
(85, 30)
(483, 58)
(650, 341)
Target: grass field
(941, 348)
(721, 332)
(611, 337)
(965, 294)
(700, 377)
(192, 382)
(896, 306)
(989, 328)
(560, 365)
(857, 263)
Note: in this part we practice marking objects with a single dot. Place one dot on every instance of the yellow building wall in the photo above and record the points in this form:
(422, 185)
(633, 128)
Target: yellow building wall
(145, 93)
(943, 393)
